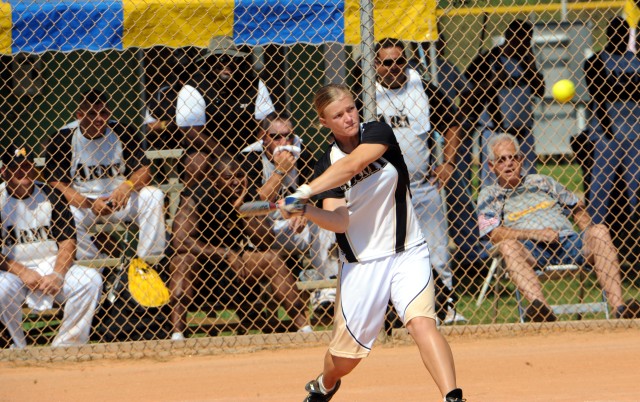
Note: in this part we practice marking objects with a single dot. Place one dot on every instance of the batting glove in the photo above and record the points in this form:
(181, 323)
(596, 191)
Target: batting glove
(296, 202)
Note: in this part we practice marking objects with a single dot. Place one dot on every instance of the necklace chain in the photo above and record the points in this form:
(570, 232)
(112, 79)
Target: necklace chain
(399, 111)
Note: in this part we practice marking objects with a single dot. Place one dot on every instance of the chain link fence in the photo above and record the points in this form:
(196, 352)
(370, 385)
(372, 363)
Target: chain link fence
(151, 121)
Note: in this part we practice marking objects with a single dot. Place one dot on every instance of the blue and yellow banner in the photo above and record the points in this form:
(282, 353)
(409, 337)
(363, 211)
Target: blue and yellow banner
(43, 25)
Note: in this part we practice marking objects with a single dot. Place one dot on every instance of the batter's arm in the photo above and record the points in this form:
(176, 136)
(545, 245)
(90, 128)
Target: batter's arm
(333, 216)
(344, 169)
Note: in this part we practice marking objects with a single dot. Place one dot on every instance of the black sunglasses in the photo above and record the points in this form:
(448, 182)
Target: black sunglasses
(400, 61)
(223, 60)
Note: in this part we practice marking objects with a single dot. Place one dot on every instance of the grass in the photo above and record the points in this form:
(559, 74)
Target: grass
(562, 291)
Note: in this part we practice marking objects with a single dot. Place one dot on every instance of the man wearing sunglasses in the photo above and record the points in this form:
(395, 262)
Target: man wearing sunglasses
(416, 111)
(275, 166)
(524, 217)
(234, 99)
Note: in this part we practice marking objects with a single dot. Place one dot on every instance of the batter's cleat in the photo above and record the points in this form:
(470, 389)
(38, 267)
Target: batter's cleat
(454, 395)
(316, 395)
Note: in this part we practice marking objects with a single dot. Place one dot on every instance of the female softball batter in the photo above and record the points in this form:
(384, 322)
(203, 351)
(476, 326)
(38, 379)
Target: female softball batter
(363, 183)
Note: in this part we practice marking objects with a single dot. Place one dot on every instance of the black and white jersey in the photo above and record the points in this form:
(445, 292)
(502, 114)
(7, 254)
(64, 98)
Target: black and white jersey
(382, 221)
(94, 166)
(32, 227)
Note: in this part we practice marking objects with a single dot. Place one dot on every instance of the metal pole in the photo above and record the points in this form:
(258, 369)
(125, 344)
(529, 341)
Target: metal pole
(368, 58)
(433, 63)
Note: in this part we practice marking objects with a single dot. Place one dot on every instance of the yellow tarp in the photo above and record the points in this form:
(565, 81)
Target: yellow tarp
(5, 28)
(175, 22)
(415, 20)
(632, 12)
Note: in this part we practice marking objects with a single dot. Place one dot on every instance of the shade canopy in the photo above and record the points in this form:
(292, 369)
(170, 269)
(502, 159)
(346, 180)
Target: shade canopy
(43, 25)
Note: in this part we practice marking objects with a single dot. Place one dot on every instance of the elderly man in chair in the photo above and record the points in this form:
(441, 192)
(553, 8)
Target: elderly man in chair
(524, 217)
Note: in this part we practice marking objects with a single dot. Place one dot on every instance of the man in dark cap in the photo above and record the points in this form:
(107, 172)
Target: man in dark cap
(235, 99)
(38, 237)
(99, 164)
(505, 81)
(218, 110)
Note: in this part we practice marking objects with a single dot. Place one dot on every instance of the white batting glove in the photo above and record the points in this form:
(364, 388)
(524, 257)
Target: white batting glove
(296, 202)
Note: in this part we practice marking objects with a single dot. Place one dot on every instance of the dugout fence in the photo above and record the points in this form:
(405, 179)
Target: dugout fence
(143, 53)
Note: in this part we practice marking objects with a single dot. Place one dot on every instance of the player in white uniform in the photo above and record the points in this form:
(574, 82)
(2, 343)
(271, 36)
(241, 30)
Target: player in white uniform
(364, 186)
(415, 110)
(38, 249)
(100, 167)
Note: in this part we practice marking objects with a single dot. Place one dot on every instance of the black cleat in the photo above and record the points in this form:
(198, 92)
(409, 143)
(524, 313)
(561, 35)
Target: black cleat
(315, 395)
(454, 395)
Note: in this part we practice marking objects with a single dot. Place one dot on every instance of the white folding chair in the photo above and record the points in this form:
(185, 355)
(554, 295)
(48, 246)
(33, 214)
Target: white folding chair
(550, 272)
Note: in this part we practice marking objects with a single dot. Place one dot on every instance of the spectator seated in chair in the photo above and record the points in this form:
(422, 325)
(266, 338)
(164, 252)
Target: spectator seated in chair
(275, 166)
(524, 217)
(211, 241)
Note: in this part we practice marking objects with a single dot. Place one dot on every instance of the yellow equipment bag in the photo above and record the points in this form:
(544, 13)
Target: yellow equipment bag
(145, 285)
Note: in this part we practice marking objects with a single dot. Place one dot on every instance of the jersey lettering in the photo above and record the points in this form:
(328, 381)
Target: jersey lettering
(401, 121)
(86, 173)
(26, 236)
(371, 169)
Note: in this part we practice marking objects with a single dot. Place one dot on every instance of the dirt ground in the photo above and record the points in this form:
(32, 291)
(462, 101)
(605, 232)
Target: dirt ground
(589, 365)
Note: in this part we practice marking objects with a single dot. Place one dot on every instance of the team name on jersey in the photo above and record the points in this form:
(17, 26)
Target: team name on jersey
(371, 169)
(26, 236)
(401, 121)
(86, 173)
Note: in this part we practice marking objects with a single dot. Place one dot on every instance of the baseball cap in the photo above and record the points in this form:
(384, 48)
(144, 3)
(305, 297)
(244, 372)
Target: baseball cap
(16, 153)
(219, 45)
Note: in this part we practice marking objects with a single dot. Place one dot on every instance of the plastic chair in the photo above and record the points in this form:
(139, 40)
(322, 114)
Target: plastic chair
(550, 272)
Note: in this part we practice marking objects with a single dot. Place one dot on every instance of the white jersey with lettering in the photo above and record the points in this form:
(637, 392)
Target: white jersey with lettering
(32, 227)
(406, 110)
(382, 220)
(97, 167)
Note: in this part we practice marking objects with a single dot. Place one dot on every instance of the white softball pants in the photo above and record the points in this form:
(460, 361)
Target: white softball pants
(145, 207)
(430, 211)
(80, 293)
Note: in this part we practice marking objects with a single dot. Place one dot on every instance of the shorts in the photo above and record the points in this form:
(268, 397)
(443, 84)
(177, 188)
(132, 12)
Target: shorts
(567, 251)
(364, 290)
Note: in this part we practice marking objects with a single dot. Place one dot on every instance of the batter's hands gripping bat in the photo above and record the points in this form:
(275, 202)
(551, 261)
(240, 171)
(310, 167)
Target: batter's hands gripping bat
(295, 203)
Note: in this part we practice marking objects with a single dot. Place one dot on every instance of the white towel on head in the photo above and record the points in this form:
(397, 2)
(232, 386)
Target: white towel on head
(190, 108)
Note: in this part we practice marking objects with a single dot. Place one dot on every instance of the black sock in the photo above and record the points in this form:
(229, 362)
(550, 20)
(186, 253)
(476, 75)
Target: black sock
(454, 393)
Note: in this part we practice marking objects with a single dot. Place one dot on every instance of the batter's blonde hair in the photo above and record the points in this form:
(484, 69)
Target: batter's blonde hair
(329, 94)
